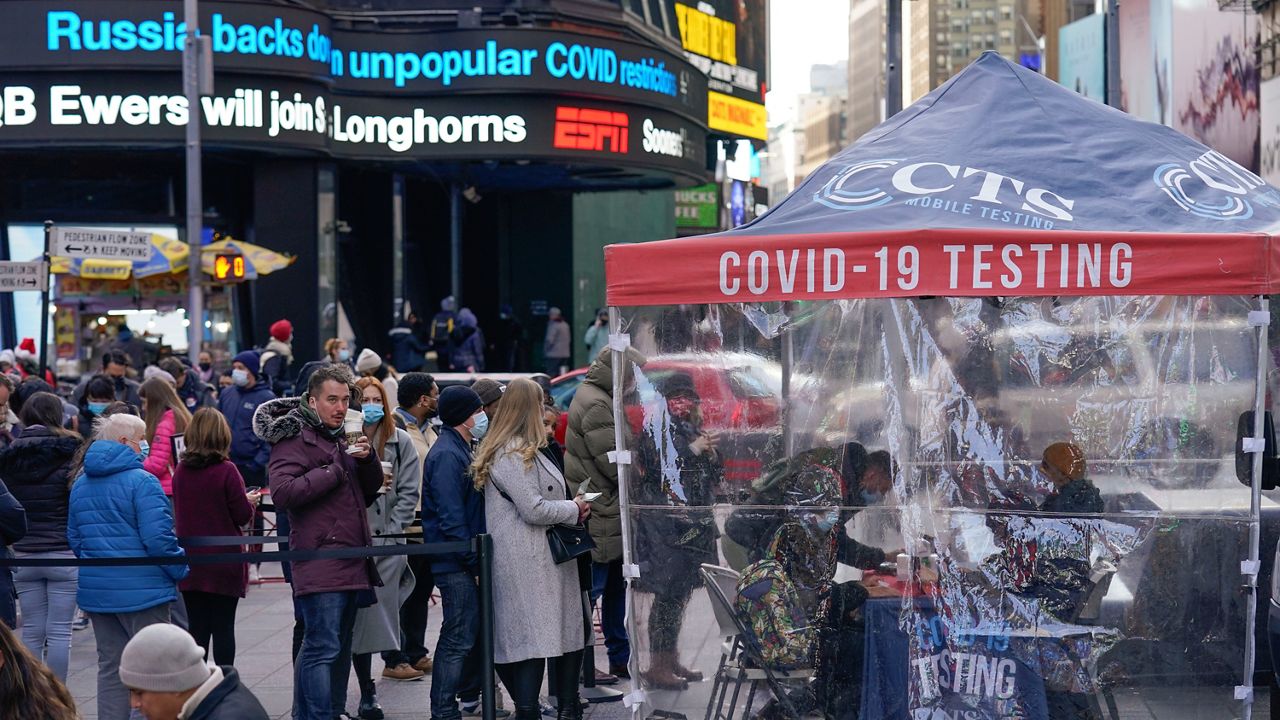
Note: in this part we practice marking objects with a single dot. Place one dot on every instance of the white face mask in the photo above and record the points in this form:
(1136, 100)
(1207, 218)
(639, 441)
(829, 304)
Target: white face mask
(240, 377)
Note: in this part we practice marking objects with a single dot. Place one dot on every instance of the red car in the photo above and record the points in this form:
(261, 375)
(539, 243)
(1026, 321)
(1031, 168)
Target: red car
(741, 400)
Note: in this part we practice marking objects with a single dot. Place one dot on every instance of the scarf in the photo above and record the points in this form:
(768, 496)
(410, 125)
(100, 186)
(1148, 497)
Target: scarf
(310, 417)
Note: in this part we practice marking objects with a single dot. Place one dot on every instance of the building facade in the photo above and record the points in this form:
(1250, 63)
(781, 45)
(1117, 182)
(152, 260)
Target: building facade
(394, 150)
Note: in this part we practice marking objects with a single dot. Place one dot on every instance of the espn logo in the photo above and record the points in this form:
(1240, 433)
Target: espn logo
(591, 130)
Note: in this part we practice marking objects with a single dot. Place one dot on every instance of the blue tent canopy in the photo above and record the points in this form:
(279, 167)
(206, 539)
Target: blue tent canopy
(1000, 146)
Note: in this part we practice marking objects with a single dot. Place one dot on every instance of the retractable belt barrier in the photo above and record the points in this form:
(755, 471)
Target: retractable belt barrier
(481, 545)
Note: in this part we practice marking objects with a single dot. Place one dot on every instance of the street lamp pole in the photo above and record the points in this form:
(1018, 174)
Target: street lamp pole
(195, 69)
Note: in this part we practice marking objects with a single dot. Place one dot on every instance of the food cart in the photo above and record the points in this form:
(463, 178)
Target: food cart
(1045, 320)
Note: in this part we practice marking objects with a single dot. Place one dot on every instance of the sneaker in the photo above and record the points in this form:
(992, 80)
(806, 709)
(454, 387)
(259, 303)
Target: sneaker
(255, 575)
(604, 678)
(472, 709)
(424, 664)
(620, 671)
(403, 671)
(81, 622)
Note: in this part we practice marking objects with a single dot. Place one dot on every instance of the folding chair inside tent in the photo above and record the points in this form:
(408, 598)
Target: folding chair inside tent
(740, 659)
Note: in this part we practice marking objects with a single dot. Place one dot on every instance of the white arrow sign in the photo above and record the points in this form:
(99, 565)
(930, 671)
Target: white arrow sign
(86, 243)
(15, 276)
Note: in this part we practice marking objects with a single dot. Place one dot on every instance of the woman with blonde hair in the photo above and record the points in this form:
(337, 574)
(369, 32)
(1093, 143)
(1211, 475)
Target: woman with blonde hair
(377, 628)
(29, 688)
(537, 604)
(166, 415)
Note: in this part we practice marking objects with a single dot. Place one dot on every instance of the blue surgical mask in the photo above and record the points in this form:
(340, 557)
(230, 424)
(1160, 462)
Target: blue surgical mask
(828, 521)
(871, 498)
(97, 408)
(344, 355)
(481, 427)
(144, 449)
(240, 377)
(373, 414)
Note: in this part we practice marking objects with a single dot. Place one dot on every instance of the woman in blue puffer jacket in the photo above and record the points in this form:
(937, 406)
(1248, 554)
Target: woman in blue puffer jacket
(117, 509)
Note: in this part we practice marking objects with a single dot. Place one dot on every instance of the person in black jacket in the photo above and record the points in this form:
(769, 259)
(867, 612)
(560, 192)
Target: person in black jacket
(1073, 491)
(35, 467)
(13, 525)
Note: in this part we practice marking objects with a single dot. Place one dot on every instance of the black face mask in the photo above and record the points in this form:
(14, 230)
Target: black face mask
(206, 366)
(119, 383)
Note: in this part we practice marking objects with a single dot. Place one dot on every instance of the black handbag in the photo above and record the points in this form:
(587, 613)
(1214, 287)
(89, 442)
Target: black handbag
(567, 542)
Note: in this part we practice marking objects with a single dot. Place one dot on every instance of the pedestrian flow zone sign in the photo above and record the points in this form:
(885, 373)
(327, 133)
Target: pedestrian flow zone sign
(85, 243)
(16, 276)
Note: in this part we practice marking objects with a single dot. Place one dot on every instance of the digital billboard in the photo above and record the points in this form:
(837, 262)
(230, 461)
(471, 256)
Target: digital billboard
(1082, 64)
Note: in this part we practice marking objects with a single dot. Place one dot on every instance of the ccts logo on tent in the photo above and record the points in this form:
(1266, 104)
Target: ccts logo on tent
(1214, 186)
(951, 188)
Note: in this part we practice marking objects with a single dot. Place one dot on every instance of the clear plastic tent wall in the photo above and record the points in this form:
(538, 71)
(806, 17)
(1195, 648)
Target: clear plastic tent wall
(938, 508)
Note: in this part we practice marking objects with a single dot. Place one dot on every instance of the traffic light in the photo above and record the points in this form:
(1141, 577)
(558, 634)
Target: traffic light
(228, 268)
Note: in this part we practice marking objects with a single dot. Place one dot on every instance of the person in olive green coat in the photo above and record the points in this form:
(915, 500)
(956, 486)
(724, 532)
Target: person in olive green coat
(589, 439)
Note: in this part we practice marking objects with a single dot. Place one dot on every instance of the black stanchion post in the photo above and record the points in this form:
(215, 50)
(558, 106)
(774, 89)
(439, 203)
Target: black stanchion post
(44, 302)
(484, 550)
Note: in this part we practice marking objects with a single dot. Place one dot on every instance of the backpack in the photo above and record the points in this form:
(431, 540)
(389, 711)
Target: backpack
(769, 603)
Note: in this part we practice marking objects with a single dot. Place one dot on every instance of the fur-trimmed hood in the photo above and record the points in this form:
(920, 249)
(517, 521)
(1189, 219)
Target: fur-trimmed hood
(279, 419)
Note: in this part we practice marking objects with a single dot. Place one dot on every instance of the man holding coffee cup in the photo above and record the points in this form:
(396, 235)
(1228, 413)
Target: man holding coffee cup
(325, 482)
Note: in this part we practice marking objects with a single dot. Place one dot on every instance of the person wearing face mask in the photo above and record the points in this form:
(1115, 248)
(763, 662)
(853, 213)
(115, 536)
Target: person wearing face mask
(418, 396)
(408, 351)
(377, 628)
(336, 351)
(452, 511)
(117, 509)
(204, 363)
(799, 616)
(249, 453)
(98, 395)
(680, 473)
(115, 368)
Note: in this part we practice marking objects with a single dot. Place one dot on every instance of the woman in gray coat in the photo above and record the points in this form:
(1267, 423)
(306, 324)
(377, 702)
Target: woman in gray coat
(538, 611)
(377, 627)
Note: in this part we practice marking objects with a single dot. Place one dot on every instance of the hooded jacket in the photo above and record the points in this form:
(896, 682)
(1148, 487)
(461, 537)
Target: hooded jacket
(588, 441)
(238, 405)
(325, 491)
(229, 700)
(118, 510)
(408, 352)
(195, 393)
(276, 358)
(35, 469)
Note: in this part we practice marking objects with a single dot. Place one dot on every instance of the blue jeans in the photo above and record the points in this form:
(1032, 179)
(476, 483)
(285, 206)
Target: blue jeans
(324, 662)
(606, 580)
(457, 670)
(48, 599)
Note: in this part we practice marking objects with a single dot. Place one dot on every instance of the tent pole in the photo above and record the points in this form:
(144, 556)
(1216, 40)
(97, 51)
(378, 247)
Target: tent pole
(788, 360)
(1255, 515)
(624, 504)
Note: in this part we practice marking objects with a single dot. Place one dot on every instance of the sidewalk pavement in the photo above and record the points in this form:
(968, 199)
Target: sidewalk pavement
(264, 632)
(264, 636)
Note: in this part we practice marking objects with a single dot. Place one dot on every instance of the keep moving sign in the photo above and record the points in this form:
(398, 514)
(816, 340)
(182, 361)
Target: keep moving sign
(85, 244)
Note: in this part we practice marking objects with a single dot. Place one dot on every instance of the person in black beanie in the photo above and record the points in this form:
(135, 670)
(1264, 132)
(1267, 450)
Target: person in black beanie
(452, 511)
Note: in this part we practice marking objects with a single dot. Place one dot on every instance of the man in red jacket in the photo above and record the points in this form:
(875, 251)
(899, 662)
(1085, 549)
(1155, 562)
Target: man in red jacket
(325, 486)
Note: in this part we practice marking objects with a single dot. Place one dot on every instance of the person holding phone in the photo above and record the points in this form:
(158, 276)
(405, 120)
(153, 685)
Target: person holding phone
(209, 499)
(680, 473)
(538, 604)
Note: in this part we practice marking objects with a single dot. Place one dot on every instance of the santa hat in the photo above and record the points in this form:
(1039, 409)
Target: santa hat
(26, 349)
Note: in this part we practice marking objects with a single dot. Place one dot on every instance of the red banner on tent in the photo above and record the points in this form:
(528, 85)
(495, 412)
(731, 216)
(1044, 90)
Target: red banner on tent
(754, 268)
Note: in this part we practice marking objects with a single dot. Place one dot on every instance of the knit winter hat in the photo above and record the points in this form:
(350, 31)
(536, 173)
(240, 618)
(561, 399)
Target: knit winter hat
(1066, 458)
(163, 658)
(457, 403)
(281, 330)
(368, 361)
(250, 359)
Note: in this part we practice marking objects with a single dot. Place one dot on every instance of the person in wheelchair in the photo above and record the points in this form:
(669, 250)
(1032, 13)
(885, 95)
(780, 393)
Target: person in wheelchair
(799, 617)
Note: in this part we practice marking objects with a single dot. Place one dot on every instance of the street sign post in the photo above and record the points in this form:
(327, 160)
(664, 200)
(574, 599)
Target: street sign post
(19, 276)
(85, 243)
